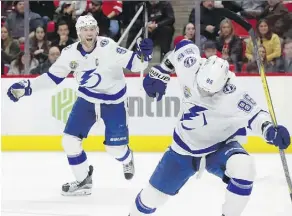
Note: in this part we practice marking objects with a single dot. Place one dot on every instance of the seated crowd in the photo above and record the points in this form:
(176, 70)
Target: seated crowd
(52, 28)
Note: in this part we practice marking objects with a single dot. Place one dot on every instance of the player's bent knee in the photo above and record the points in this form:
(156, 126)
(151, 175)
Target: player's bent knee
(71, 144)
(117, 151)
(148, 200)
(240, 168)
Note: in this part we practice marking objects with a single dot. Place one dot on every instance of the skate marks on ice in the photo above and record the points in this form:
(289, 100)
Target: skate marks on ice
(31, 184)
(54, 204)
(27, 213)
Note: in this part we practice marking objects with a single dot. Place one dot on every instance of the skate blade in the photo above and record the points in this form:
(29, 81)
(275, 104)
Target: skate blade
(84, 192)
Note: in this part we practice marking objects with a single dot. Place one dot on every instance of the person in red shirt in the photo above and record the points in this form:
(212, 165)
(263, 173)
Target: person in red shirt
(112, 9)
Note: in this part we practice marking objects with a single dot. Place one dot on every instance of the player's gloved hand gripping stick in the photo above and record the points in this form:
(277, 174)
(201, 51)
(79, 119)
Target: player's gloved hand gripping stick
(277, 135)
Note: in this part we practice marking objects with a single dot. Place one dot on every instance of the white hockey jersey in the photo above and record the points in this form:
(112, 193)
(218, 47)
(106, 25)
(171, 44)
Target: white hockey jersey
(99, 74)
(207, 122)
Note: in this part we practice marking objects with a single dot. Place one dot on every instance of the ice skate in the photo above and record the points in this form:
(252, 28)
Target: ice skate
(129, 169)
(77, 188)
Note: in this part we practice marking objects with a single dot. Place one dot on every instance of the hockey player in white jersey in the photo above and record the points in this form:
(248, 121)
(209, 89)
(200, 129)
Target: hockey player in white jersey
(216, 111)
(97, 63)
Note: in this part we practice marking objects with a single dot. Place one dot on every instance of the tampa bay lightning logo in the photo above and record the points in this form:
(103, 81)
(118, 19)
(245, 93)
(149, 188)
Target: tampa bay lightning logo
(229, 88)
(189, 62)
(90, 79)
(104, 42)
(195, 113)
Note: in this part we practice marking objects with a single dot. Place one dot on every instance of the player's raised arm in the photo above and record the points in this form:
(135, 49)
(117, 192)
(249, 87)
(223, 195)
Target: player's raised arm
(260, 123)
(132, 60)
(185, 60)
(259, 120)
(56, 74)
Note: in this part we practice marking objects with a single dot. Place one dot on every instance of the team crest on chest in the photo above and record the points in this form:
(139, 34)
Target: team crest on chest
(73, 65)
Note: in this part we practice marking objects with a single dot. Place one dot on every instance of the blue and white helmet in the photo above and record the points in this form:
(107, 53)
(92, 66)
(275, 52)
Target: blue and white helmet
(85, 21)
(213, 75)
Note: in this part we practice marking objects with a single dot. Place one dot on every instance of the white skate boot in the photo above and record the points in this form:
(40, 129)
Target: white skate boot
(77, 188)
(129, 168)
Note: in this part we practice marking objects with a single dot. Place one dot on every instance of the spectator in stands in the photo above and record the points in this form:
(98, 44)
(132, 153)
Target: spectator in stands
(248, 9)
(252, 65)
(210, 49)
(268, 39)
(63, 36)
(17, 66)
(189, 32)
(54, 53)
(102, 20)
(67, 14)
(15, 21)
(9, 47)
(129, 10)
(112, 10)
(161, 19)
(285, 62)
(230, 45)
(210, 20)
(277, 16)
(46, 9)
(77, 8)
(39, 44)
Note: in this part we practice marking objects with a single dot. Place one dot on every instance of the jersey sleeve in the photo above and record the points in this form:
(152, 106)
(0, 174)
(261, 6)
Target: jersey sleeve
(247, 108)
(128, 59)
(56, 74)
(186, 60)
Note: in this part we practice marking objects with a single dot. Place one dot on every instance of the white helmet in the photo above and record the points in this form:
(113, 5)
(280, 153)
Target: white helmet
(213, 75)
(85, 21)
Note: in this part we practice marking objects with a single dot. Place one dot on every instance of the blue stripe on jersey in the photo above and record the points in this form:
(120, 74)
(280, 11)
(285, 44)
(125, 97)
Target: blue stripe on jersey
(56, 79)
(240, 186)
(161, 69)
(101, 96)
(77, 159)
(253, 118)
(183, 145)
(182, 44)
(130, 63)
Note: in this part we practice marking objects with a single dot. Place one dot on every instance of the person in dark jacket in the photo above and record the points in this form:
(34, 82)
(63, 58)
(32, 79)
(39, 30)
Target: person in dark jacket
(43, 8)
(284, 63)
(103, 22)
(230, 45)
(210, 20)
(9, 47)
(67, 15)
(15, 21)
(54, 53)
(160, 26)
(63, 36)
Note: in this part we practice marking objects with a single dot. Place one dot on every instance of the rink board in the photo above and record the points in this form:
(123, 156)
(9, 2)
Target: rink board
(36, 123)
(94, 143)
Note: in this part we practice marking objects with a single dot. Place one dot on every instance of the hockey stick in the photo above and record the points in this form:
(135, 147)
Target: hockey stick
(145, 36)
(248, 27)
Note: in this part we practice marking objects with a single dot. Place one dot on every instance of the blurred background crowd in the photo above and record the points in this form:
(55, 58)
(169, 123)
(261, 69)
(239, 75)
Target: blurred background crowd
(51, 26)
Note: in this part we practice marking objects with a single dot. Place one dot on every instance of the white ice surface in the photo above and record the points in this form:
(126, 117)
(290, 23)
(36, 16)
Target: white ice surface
(31, 184)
